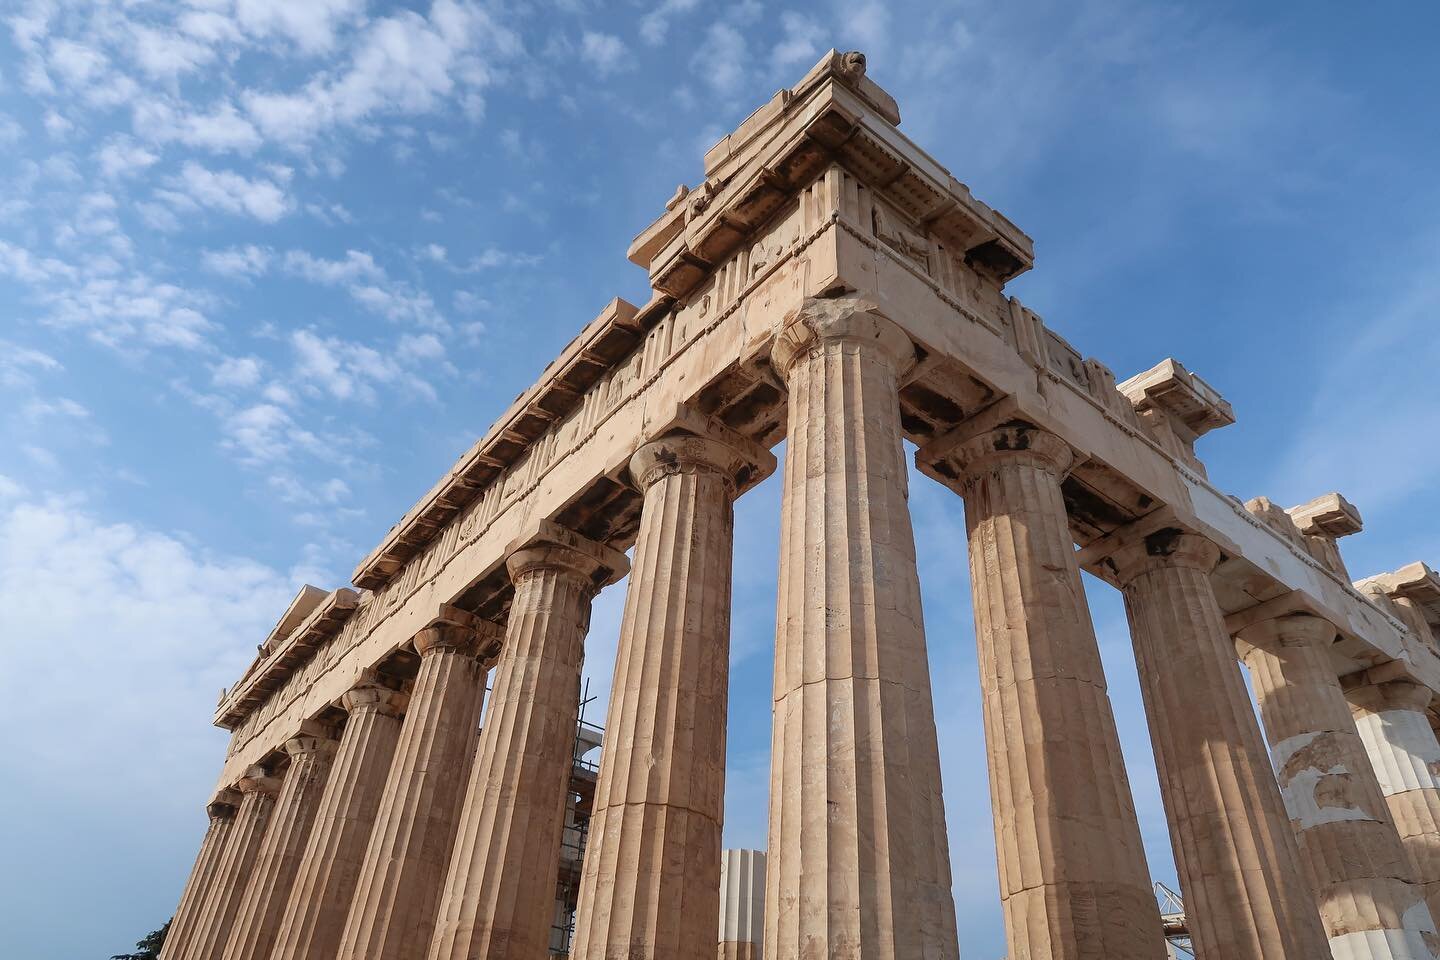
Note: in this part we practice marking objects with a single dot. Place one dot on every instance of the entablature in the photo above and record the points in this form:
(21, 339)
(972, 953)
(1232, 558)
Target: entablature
(835, 115)
(820, 193)
(605, 341)
(280, 655)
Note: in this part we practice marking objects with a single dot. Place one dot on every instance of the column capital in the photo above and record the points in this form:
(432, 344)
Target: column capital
(1295, 630)
(461, 632)
(553, 547)
(739, 460)
(258, 780)
(223, 806)
(1012, 442)
(843, 318)
(1401, 693)
(1167, 548)
(301, 746)
(371, 696)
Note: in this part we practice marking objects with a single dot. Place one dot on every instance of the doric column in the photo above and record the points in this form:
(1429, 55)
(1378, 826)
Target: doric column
(1246, 894)
(742, 904)
(499, 894)
(258, 791)
(258, 918)
(1359, 870)
(662, 773)
(392, 914)
(1073, 879)
(314, 918)
(202, 875)
(1390, 717)
(858, 858)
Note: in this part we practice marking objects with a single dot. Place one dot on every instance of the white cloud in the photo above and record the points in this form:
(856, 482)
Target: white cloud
(344, 369)
(311, 24)
(399, 303)
(208, 25)
(220, 130)
(77, 63)
(356, 265)
(655, 25)
(166, 54)
(801, 43)
(246, 261)
(56, 125)
(492, 257)
(866, 25)
(237, 372)
(130, 311)
(605, 52)
(351, 371)
(264, 433)
(722, 59)
(225, 190)
(1367, 445)
(292, 489)
(37, 409)
(369, 285)
(18, 364)
(157, 216)
(122, 157)
(20, 263)
(403, 63)
(180, 623)
(424, 347)
(11, 132)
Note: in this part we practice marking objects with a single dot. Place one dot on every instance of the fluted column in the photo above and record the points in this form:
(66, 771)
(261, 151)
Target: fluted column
(1362, 877)
(314, 917)
(1073, 879)
(258, 791)
(392, 914)
(742, 904)
(202, 874)
(1390, 718)
(258, 918)
(499, 893)
(651, 881)
(858, 858)
(1246, 895)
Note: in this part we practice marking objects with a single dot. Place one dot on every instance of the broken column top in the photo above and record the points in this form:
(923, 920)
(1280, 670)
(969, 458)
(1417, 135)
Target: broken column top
(1330, 516)
(1414, 581)
(1272, 515)
(834, 115)
(1168, 386)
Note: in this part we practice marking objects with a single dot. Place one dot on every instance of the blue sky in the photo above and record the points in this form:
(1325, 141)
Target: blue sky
(266, 268)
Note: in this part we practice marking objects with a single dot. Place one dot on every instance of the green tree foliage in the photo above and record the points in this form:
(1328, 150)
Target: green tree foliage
(149, 947)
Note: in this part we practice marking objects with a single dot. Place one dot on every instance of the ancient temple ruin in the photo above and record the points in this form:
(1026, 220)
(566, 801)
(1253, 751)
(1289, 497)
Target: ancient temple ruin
(829, 283)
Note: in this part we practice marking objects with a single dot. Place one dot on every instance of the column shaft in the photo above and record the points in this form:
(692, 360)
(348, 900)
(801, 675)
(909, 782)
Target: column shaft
(314, 918)
(258, 919)
(1246, 895)
(1073, 879)
(1359, 870)
(499, 894)
(1401, 744)
(202, 876)
(858, 857)
(232, 872)
(392, 914)
(651, 877)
